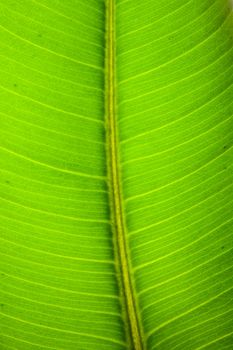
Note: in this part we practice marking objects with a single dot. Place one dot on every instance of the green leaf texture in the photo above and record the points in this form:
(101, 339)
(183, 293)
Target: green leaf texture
(116, 181)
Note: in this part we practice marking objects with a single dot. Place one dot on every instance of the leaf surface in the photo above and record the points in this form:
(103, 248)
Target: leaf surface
(116, 179)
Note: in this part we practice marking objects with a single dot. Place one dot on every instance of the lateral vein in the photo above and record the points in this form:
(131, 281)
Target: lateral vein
(117, 210)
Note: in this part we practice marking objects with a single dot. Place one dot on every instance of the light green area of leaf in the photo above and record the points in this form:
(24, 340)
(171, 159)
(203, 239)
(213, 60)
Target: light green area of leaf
(59, 280)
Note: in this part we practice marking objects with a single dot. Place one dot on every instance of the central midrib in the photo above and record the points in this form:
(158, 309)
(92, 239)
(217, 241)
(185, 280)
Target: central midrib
(117, 210)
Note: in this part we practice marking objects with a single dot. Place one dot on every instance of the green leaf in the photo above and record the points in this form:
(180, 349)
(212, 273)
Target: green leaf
(116, 181)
